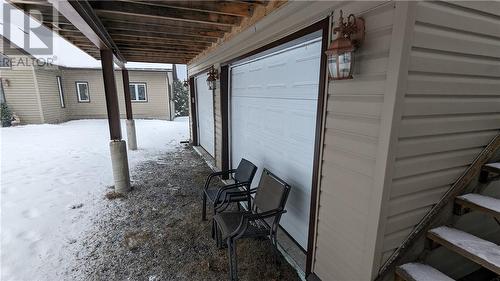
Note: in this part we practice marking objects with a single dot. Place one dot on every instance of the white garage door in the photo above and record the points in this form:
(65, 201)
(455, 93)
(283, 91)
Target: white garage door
(205, 110)
(273, 121)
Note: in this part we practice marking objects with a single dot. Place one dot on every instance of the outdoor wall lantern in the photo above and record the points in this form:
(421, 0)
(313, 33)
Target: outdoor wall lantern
(350, 35)
(185, 83)
(5, 82)
(213, 75)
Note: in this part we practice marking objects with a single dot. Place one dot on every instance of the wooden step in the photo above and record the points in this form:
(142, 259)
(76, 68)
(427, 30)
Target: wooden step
(485, 204)
(482, 252)
(419, 272)
(492, 167)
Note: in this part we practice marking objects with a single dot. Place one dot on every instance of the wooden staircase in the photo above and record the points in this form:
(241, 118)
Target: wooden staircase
(480, 251)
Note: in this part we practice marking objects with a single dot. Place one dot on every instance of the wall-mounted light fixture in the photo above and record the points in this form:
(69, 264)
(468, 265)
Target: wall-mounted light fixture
(350, 35)
(5, 82)
(185, 83)
(213, 75)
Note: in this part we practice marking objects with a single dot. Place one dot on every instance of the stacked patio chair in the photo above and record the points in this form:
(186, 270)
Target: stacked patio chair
(261, 221)
(243, 176)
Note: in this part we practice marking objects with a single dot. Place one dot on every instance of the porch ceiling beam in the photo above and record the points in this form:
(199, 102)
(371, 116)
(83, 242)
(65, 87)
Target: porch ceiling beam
(112, 18)
(152, 48)
(156, 55)
(143, 10)
(164, 29)
(242, 9)
(81, 15)
(136, 40)
(156, 59)
(168, 54)
(141, 34)
(30, 2)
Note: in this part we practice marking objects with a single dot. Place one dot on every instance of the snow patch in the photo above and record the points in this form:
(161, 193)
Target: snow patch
(486, 250)
(53, 178)
(423, 272)
(481, 200)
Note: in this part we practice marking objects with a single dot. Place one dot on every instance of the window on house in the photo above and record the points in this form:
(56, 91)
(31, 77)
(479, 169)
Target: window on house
(61, 94)
(82, 90)
(138, 92)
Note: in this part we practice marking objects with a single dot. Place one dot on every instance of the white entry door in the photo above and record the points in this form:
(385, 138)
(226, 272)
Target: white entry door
(273, 121)
(205, 110)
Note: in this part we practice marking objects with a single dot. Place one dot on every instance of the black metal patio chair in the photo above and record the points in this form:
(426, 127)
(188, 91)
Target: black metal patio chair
(242, 175)
(261, 221)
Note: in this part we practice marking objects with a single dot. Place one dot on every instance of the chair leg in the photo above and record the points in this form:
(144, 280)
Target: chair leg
(204, 207)
(233, 263)
(274, 241)
(213, 229)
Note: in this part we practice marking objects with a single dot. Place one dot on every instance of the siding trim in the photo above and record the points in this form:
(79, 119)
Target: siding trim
(224, 101)
(192, 98)
(318, 146)
(396, 84)
(37, 93)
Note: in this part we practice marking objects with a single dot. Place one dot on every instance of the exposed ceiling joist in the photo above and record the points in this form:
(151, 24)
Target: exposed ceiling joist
(143, 10)
(242, 9)
(152, 35)
(163, 30)
(169, 23)
(81, 15)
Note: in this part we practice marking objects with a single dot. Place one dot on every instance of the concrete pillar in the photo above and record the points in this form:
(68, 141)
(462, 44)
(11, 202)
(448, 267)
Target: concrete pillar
(132, 139)
(131, 136)
(119, 163)
(117, 146)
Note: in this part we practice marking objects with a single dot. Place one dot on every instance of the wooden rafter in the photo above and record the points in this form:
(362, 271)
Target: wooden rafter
(242, 9)
(143, 10)
(166, 31)
(144, 34)
(163, 30)
(170, 23)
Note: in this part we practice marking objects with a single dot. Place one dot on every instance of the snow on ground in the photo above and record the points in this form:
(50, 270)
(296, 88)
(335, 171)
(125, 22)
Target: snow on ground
(52, 180)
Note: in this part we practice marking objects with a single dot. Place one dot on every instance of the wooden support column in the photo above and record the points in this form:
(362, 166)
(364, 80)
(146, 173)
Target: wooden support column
(126, 91)
(131, 135)
(117, 146)
(112, 108)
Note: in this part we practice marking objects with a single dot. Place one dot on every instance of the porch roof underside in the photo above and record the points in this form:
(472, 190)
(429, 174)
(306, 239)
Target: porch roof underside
(151, 31)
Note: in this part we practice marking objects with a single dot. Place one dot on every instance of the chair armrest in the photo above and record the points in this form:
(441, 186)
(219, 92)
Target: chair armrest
(248, 217)
(264, 215)
(228, 187)
(217, 174)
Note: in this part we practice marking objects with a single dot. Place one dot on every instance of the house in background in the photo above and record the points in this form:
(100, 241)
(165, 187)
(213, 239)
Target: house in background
(42, 93)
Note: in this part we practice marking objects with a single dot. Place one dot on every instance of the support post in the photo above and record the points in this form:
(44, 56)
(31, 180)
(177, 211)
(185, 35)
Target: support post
(119, 159)
(131, 136)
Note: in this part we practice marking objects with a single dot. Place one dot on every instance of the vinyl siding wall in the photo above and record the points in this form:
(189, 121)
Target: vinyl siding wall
(157, 105)
(46, 80)
(451, 108)
(351, 143)
(351, 136)
(21, 95)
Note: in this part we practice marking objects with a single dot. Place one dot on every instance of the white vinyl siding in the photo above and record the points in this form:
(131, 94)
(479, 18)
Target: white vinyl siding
(350, 146)
(157, 94)
(82, 90)
(21, 95)
(50, 97)
(138, 92)
(451, 107)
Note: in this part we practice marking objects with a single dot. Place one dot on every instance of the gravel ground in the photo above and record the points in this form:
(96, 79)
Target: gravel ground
(156, 232)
